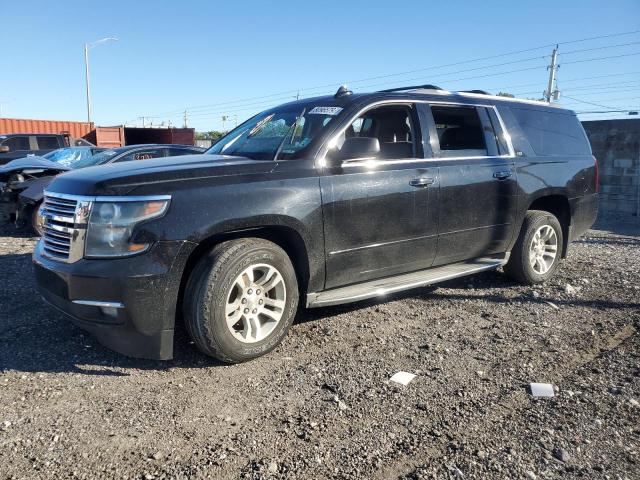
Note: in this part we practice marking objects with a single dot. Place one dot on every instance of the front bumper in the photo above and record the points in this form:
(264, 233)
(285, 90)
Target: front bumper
(132, 301)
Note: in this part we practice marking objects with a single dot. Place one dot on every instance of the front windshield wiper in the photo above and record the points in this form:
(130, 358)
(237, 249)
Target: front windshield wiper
(292, 131)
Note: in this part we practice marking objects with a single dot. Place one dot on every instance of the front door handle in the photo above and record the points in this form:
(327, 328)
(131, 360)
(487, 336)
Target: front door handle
(502, 175)
(422, 181)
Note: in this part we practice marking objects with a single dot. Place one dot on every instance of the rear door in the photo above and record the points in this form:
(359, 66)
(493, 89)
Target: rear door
(380, 213)
(478, 187)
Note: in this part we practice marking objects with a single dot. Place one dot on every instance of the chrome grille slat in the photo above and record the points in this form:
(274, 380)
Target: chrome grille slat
(58, 242)
(59, 222)
(56, 234)
(64, 251)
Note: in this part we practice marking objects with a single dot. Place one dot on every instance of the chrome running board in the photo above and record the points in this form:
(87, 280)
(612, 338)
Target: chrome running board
(385, 286)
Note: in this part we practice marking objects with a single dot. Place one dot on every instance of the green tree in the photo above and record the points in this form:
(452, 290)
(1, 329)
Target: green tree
(210, 135)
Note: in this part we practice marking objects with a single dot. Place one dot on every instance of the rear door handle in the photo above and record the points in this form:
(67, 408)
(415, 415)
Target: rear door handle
(422, 181)
(502, 175)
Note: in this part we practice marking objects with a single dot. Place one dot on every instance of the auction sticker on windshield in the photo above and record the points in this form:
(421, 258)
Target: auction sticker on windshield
(326, 110)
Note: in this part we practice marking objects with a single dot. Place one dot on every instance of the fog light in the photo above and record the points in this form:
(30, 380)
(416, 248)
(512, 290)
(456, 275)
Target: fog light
(109, 311)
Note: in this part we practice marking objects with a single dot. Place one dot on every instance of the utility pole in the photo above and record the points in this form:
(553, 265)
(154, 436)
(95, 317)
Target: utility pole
(224, 121)
(552, 93)
(185, 119)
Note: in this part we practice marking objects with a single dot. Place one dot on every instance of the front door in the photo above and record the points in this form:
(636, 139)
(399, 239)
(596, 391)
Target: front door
(380, 215)
(478, 187)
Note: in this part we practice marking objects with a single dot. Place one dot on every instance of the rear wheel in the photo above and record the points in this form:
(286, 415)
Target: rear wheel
(536, 254)
(241, 299)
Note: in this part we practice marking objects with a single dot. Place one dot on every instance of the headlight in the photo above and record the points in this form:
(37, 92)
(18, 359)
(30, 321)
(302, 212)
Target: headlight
(111, 225)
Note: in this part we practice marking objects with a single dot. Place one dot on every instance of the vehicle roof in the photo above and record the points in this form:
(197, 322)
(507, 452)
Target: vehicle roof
(429, 94)
(127, 148)
(7, 135)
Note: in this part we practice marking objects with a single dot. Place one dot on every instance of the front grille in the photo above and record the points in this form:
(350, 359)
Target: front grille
(59, 219)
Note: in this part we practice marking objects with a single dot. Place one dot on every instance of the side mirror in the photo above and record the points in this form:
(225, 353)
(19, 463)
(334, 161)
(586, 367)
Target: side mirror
(4, 148)
(358, 147)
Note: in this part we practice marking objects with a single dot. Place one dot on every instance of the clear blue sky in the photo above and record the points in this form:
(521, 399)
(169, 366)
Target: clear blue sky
(173, 55)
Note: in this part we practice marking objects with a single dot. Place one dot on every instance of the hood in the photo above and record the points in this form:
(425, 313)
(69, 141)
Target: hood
(157, 175)
(32, 162)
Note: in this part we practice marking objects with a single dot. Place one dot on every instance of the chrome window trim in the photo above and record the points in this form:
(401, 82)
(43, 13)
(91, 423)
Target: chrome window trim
(345, 164)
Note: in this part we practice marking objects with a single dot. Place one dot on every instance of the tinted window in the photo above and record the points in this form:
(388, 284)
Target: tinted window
(17, 143)
(552, 133)
(143, 154)
(393, 127)
(47, 143)
(176, 152)
(459, 130)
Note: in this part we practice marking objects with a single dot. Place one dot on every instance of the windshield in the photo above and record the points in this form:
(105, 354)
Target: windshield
(99, 158)
(71, 157)
(282, 133)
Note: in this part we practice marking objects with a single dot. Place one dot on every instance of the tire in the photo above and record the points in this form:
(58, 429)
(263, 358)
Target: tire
(35, 220)
(221, 280)
(525, 264)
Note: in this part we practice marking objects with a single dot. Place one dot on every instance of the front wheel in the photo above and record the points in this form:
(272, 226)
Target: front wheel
(536, 255)
(37, 220)
(241, 299)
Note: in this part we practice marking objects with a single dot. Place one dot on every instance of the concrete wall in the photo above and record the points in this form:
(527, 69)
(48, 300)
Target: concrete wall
(616, 145)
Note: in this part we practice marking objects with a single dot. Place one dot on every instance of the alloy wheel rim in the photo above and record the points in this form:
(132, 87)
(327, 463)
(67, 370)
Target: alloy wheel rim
(543, 249)
(255, 303)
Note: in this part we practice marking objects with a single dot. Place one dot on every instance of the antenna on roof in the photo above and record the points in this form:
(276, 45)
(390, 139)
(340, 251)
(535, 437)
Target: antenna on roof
(343, 91)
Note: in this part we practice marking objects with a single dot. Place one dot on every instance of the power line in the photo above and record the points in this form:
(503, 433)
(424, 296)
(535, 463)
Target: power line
(216, 105)
(602, 87)
(599, 48)
(601, 58)
(607, 111)
(563, 81)
(602, 100)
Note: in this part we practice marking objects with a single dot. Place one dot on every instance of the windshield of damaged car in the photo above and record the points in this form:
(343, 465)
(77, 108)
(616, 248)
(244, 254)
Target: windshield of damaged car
(97, 159)
(283, 133)
(72, 157)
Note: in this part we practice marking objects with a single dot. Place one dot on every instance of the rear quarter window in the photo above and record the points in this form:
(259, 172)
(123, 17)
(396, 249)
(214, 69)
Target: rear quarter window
(551, 133)
(47, 143)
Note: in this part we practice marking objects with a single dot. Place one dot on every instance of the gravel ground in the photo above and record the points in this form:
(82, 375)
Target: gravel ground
(322, 405)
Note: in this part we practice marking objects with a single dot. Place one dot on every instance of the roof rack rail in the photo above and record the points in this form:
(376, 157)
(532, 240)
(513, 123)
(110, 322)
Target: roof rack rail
(480, 92)
(414, 87)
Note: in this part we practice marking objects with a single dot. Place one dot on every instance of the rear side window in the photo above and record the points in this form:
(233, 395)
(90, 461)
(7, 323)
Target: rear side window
(552, 133)
(47, 143)
(17, 143)
(176, 152)
(460, 131)
(144, 155)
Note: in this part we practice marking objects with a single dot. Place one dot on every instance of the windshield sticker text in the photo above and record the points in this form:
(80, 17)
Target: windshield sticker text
(326, 110)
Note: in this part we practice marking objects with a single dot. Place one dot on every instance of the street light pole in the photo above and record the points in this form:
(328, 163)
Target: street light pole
(86, 72)
(87, 46)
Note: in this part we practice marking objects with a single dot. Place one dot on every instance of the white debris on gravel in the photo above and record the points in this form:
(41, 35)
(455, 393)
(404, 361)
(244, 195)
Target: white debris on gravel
(542, 389)
(403, 378)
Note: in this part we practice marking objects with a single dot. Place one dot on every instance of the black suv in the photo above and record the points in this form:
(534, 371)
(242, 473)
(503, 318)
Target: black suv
(19, 145)
(330, 200)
